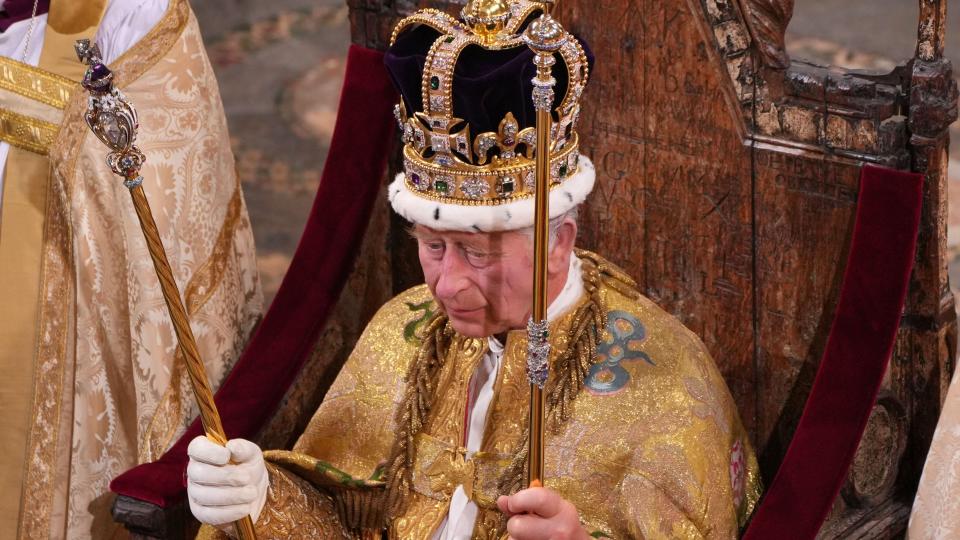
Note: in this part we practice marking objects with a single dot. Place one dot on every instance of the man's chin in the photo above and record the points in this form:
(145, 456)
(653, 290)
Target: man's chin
(469, 328)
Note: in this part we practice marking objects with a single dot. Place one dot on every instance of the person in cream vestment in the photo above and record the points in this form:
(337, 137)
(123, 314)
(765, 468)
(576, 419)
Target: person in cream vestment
(936, 509)
(92, 381)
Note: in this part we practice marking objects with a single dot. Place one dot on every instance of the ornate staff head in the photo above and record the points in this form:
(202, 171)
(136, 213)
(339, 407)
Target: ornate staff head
(110, 116)
(468, 121)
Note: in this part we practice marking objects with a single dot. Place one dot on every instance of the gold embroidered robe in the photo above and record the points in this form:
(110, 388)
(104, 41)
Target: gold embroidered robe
(653, 448)
(91, 386)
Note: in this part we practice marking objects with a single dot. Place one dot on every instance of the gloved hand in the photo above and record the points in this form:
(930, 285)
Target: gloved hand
(221, 492)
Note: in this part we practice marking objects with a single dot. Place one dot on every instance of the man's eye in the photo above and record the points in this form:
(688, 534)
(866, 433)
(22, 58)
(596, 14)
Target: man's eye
(477, 258)
(434, 247)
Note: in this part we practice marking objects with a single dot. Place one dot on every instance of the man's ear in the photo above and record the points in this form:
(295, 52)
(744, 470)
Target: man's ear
(559, 259)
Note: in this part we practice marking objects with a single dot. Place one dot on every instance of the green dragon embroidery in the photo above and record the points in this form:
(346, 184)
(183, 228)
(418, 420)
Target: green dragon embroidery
(410, 330)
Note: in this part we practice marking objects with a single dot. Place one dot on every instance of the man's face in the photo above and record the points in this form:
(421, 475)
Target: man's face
(483, 281)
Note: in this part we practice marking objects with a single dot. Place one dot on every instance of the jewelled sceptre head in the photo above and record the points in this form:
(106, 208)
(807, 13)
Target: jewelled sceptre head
(113, 119)
(110, 116)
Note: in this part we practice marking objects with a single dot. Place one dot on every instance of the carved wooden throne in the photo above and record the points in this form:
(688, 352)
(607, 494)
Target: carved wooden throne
(727, 184)
(727, 180)
(728, 175)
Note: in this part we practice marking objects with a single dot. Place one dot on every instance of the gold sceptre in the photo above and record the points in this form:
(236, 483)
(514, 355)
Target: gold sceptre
(544, 36)
(113, 120)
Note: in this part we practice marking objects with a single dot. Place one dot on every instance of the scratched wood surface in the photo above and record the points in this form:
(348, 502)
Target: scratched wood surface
(727, 186)
(673, 199)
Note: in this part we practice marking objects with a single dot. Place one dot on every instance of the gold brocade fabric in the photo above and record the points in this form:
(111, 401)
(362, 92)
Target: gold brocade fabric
(22, 238)
(653, 447)
(26, 132)
(40, 85)
(108, 390)
(36, 285)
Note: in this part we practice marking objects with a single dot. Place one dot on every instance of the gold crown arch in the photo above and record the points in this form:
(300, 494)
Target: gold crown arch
(441, 160)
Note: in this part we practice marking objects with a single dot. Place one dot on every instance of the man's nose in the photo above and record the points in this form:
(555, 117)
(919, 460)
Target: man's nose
(453, 275)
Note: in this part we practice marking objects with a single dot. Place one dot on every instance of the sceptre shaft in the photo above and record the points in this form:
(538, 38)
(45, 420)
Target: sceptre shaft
(544, 36)
(113, 120)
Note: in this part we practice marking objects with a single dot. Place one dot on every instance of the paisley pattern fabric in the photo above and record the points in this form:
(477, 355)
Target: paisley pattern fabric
(663, 456)
(936, 510)
(119, 391)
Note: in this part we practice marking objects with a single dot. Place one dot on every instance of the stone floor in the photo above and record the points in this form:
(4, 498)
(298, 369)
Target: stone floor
(280, 65)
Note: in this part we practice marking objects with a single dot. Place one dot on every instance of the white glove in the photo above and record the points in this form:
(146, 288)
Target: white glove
(221, 492)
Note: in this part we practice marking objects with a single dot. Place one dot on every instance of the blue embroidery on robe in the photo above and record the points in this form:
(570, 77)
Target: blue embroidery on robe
(625, 335)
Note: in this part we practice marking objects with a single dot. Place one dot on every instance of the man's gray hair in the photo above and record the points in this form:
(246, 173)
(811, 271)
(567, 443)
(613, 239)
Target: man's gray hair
(554, 228)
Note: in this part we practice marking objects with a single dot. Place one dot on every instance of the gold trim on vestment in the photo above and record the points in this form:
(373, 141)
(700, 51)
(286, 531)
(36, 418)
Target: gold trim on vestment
(56, 304)
(36, 84)
(55, 309)
(207, 278)
(27, 132)
(57, 299)
(155, 45)
(21, 259)
(20, 104)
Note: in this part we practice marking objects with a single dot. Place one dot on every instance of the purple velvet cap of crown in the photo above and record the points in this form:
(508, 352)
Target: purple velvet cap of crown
(487, 84)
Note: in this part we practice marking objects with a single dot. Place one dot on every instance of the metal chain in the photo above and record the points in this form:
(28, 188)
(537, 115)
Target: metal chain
(33, 24)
